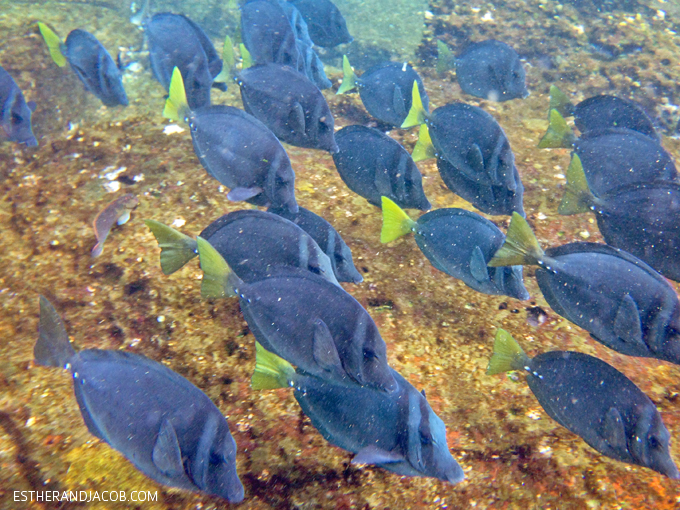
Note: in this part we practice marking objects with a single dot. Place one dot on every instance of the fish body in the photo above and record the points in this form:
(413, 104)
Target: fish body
(326, 24)
(176, 41)
(243, 154)
(15, 112)
(604, 111)
(94, 67)
(167, 427)
(288, 104)
(328, 239)
(491, 70)
(374, 165)
(595, 401)
(318, 327)
(616, 157)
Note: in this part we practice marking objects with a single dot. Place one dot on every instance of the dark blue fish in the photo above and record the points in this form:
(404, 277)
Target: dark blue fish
(253, 242)
(236, 149)
(602, 112)
(642, 219)
(374, 165)
(15, 112)
(327, 27)
(91, 63)
(167, 427)
(491, 70)
(328, 239)
(275, 32)
(305, 319)
(460, 243)
(621, 301)
(397, 431)
(473, 155)
(176, 41)
(594, 400)
(385, 89)
(288, 104)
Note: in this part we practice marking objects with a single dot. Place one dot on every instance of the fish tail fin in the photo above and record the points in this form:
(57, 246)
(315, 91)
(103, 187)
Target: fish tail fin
(560, 102)
(417, 114)
(218, 278)
(349, 79)
(176, 248)
(246, 58)
(176, 105)
(53, 348)
(520, 247)
(507, 355)
(53, 44)
(271, 371)
(396, 222)
(558, 135)
(444, 58)
(577, 196)
(228, 61)
(423, 148)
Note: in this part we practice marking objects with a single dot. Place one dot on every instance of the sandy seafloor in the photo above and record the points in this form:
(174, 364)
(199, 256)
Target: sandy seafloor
(439, 332)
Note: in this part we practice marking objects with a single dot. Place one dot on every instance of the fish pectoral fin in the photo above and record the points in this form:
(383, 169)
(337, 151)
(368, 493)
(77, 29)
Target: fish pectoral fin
(613, 430)
(478, 268)
(323, 348)
(167, 456)
(398, 103)
(475, 160)
(296, 119)
(627, 323)
(375, 455)
(243, 194)
(382, 179)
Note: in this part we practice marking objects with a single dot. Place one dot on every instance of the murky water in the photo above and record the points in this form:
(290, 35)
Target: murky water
(439, 333)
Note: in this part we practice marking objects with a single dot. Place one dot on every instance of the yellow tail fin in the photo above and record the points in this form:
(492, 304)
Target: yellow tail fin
(217, 281)
(560, 102)
(558, 135)
(349, 79)
(520, 247)
(176, 248)
(228, 61)
(176, 106)
(396, 222)
(507, 355)
(417, 113)
(577, 196)
(423, 148)
(53, 44)
(271, 371)
(246, 58)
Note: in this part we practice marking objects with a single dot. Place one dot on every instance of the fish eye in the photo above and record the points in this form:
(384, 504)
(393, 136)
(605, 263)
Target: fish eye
(216, 459)
(425, 438)
(654, 443)
(16, 118)
(369, 354)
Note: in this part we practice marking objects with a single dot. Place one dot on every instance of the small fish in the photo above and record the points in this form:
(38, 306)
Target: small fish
(275, 32)
(116, 212)
(176, 41)
(236, 149)
(288, 104)
(397, 431)
(15, 114)
(473, 154)
(374, 165)
(90, 61)
(603, 111)
(491, 70)
(252, 242)
(328, 239)
(306, 320)
(642, 219)
(593, 400)
(445, 58)
(326, 24)
(385, 89)
(458, 242)
(621, 301)
(164, 425)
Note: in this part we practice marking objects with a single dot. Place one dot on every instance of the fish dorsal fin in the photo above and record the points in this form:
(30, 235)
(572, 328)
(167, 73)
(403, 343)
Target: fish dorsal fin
(627, 323)
(398, 103)
(167, 456)
(243, 194)
(296, 119)
(478, 268)
(613, 430)
(323, 347)
(375, 455)
(382, 178)
(475, 159)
